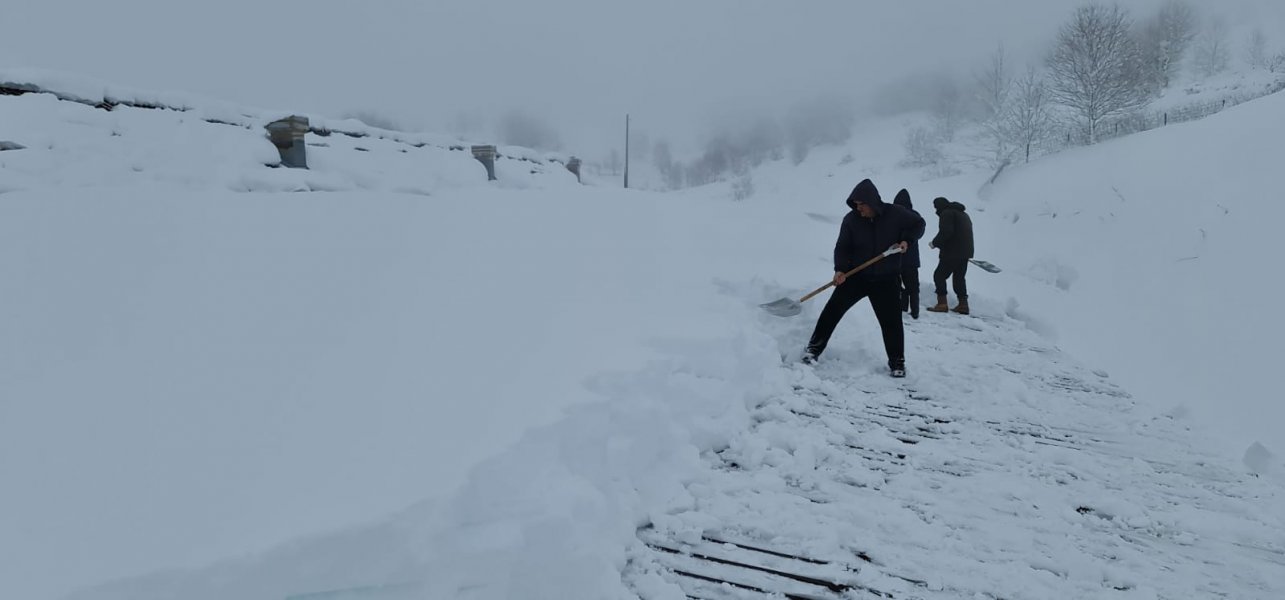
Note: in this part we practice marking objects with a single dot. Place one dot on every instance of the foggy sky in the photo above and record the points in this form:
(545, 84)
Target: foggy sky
(678, 66)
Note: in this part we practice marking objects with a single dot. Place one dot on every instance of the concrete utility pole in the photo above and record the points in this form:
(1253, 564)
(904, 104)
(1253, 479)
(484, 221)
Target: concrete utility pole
(626, 151)
(486, 155)
(287, 135)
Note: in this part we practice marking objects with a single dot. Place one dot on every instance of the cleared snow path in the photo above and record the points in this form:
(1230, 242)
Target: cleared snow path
(999, 469)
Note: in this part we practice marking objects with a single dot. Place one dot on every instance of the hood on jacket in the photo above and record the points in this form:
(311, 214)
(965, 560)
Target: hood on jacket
(866, 193)
(941, 203)
(903, 200)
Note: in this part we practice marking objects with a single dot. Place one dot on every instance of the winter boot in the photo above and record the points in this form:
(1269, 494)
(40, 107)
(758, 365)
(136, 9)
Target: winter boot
(941, 304)
(897, 367)
(962, 308)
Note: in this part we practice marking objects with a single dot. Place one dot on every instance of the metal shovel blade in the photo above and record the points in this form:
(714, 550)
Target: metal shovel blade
(788, 307)
(985, 266)
(785, 307)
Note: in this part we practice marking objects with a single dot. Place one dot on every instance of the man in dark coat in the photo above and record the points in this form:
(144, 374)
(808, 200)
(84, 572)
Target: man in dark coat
(909, 264)
(871, 228)
(955, 241)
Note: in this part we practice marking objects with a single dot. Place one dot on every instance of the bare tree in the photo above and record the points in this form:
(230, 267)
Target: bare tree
(1029, 119)
(922, 149)
(992, 88)
(1276, 63)
(721, 155)
(1256, 49)
(1211, 53)
(1093, 66)
(994, 83)
(1164, 41)
(670, 171)
(947, 107)
(1149, 68)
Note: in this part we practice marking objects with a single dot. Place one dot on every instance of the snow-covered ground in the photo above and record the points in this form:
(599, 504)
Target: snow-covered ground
(1147, 256)
(1000, 468)
(541, 378)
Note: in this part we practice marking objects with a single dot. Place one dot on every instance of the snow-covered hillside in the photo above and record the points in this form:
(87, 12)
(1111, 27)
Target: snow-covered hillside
(565, 391)
(197, 364)
(1147, 256)
(1001, 469)
(1157, 254)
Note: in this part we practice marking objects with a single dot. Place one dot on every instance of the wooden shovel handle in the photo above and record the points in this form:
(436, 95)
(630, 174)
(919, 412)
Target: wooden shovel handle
(877, 258)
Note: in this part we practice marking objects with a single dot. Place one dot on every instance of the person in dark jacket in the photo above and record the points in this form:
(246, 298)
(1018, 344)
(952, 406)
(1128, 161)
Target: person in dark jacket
(868, 230)
(955, 241)
(909, 264)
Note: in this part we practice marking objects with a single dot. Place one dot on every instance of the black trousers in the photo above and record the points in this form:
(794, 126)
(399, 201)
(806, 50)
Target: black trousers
(885, 298)
(910, 288)
(956, 269)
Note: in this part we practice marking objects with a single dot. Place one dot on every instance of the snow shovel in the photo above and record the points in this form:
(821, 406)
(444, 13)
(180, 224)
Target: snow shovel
(788, 307)
(985, 266)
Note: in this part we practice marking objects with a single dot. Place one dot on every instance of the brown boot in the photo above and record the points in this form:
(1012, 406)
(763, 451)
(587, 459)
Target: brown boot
(962, 308)
(941, 304)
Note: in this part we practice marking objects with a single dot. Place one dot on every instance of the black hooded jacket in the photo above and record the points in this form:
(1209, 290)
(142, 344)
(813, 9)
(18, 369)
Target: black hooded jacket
(861, 239)
(954, 230)
(911, 259)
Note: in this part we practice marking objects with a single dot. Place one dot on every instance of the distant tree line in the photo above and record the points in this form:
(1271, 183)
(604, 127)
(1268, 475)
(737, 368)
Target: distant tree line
(1103, 68)
(806, 125)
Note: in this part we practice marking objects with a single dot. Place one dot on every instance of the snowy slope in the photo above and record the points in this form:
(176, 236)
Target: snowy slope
(1163, 246)
(196, 365)
(192, 141)
(1147, 256)
(575, 377)
(1002, 468)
